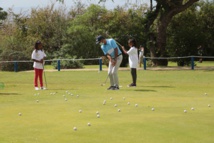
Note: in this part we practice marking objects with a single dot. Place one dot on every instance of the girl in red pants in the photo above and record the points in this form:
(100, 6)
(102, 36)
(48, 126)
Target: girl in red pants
(38, 56)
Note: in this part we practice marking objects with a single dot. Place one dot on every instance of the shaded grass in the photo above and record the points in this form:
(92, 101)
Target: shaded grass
(52, 119)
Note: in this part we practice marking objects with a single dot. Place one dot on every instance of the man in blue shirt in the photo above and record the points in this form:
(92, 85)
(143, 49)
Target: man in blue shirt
(114, 54)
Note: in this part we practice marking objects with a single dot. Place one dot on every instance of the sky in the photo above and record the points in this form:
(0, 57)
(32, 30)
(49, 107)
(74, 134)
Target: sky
(24, 5)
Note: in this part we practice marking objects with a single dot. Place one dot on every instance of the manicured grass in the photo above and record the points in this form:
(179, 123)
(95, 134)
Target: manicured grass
(170, 64)
(51, 120)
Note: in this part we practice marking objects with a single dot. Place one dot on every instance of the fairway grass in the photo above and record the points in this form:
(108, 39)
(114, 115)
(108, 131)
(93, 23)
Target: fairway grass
(48, 118)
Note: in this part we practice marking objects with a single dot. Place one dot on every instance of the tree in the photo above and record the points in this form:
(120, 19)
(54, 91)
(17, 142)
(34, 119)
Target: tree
(206, 17)
(163, 12)
(3, 15)
(94, 20)
(184, 35)
(20, 31)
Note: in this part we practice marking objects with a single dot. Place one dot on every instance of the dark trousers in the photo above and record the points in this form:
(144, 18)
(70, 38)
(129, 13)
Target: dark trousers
(134, 75)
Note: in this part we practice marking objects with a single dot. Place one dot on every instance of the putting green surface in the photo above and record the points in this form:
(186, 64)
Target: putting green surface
(49, 116)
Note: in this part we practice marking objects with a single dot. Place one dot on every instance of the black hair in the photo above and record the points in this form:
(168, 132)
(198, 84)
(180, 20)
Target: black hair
(37, 44)
(133, 41)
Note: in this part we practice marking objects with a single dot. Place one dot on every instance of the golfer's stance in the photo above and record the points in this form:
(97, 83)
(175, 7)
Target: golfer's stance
(113, 53)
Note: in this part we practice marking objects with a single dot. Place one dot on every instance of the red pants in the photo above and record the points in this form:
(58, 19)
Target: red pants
(38, 74)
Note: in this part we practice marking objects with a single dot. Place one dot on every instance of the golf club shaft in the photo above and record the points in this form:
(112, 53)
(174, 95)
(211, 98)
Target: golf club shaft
(105, 81)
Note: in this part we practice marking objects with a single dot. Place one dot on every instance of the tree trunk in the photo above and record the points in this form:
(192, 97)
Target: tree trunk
(151, 46)
(161, 39)
(164, 21)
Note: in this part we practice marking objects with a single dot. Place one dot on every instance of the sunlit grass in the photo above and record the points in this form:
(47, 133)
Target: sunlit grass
(48, 117)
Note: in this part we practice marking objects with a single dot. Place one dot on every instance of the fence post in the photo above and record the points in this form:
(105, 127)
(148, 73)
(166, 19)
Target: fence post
(144, 63)
(192, 63)
(15, 66)
(100, 64)
(58, 65)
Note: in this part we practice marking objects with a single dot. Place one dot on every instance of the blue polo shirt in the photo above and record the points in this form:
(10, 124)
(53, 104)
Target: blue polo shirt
(109, 47)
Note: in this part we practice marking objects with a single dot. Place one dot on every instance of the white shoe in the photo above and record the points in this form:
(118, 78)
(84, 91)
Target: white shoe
(43, 88)
(36, 88)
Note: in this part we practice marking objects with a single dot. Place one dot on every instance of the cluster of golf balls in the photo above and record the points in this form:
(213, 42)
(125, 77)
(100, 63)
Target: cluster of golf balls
(104, 103)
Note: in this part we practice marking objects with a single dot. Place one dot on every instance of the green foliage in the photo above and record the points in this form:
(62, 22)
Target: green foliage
(3, 14)
(206, 16)
(188, 31)
(15, 47)
(95, 20)
(72, 34)
(69, 63)
(15, 56)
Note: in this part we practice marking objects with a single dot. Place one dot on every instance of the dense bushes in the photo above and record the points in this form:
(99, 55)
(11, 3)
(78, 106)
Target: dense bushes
(68, 35)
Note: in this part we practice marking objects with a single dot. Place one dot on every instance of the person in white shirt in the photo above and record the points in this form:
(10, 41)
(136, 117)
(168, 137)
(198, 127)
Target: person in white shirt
(38, 56)
(133, 60)
(141, 55)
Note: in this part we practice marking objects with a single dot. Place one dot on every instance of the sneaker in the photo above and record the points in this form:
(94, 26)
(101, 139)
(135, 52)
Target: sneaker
(36, 88)
(110, 88)
(116, 88)
(132, 85)
(43, 88)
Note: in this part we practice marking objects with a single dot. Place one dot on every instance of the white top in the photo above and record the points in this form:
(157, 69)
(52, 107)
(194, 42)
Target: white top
(141, 53)
(38, 55)
(133, 57)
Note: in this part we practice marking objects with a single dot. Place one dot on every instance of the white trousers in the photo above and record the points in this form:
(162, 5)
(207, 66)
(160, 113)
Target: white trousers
(113, 71)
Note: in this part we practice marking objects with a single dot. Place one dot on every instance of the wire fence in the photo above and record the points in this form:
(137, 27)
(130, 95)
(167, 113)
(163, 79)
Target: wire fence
(145, 60)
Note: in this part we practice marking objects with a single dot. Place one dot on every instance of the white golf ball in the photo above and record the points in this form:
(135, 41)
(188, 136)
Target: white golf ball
(66, 99)
(205, 93)
(209, 105)
(104, 102)
(20, 114)
(153, 109)
(136, 105)
(75, 128)
(80, 111)
(97, 112)
(124, 98)
(192, 109)
(185, 111)
(98, 116)
(89, 124)
(37, 101)
(115, 105)
(63, 95)
(77, 96)
(111, 98)
(118, 110)
(128, 103)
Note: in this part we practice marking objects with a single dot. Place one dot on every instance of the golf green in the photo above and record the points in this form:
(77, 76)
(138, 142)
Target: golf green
(152, 112)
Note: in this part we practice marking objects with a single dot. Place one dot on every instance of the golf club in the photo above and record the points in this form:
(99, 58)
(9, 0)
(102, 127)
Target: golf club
(105, 81)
